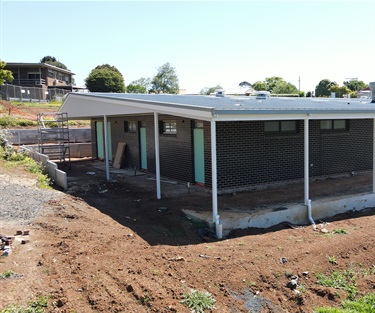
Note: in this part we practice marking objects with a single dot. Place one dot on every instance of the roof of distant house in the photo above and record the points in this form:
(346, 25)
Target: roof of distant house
(45, 65)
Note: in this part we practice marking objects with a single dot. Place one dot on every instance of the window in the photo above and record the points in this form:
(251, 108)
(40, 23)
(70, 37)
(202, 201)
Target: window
(328, 125)
(35, 76)
(280, 127)
(198, 124)
(130, 126)
(51, 73)
(169, 128)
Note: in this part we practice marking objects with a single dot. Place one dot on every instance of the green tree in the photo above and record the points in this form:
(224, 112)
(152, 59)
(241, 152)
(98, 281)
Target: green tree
(105, 78)
(283, 87)
(260, 86)
(141, 85)
(108, 67)
(322, 89)
(340, 91)
(135, 88)
(209, 90)
(166, 80)
(53, 61)
(244, 84)
(5, 75)
(271, 82)
(355, 85)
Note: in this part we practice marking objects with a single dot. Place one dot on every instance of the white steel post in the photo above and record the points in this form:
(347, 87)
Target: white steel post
(214, 171)
(306, 162)
(157, 155)
(106, 147)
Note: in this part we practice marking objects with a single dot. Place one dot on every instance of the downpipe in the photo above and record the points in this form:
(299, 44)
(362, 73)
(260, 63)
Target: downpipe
(219, 228)
(309, 213)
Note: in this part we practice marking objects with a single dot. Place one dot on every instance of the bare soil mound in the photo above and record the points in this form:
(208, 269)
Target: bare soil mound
(112, 247)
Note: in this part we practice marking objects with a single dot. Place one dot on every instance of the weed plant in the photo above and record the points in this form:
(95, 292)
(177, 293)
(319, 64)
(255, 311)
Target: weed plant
(344, 280)
(364, 304)
(37, 306)
(198, 301)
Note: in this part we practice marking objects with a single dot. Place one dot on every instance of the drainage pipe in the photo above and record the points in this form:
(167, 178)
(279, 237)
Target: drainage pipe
(309, 213)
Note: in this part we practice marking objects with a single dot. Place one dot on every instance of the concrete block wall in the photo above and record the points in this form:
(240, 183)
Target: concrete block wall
(30, 136)
(333, 152)
(176, 150)
(50, 168)
(247, 156)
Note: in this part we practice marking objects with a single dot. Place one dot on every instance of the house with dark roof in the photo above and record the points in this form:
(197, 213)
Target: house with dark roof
(228, 144)
(40, 75)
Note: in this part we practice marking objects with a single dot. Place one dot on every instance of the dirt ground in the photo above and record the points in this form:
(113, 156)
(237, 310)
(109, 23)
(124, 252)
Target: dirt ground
(112, 247)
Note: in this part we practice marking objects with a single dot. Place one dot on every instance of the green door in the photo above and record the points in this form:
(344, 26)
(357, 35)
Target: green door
(198, 156)
(100, 140)
(143, 147)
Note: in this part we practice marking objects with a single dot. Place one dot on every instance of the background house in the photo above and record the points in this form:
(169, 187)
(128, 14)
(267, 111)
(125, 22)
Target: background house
(41, 75)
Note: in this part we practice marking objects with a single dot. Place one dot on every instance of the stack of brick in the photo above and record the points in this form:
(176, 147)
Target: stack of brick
(6, 245)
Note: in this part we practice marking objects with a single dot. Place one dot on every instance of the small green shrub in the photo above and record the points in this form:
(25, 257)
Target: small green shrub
(7, 274)
(332, 260)
(198, 301)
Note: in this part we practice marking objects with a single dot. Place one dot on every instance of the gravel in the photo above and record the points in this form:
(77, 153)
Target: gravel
(21, 200)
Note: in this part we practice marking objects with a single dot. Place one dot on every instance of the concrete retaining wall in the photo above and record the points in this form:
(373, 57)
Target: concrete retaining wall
(292, 213)
(30, 136)
(77, 150)
(58, 177)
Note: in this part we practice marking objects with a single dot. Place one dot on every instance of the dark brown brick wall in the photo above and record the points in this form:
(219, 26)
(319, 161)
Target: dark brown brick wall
(176, 151)
(246, 156)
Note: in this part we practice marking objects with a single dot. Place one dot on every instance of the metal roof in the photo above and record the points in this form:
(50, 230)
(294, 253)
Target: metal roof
(42, 65)
(220, 108)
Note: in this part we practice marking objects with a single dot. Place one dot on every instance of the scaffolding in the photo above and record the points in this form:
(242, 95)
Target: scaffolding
(53, 136)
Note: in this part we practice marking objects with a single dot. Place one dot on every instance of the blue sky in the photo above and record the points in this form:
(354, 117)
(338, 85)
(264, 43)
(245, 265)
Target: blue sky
(208, 42)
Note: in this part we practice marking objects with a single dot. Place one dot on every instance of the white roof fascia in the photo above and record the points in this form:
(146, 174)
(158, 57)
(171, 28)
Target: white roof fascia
(290, 116)
(86, 106)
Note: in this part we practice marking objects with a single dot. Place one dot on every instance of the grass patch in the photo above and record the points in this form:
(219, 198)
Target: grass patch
(340, 231)
(198, 301)
(37, 306)
(364, 304)
(50, 104)
(11, 121)
(344, 280)
(7, 274)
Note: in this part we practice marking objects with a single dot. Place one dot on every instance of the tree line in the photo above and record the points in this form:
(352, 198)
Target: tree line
(107, 78)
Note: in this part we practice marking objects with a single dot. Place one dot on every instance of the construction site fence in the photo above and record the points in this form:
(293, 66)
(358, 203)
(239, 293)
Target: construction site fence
(31, 94)
(50, 168)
